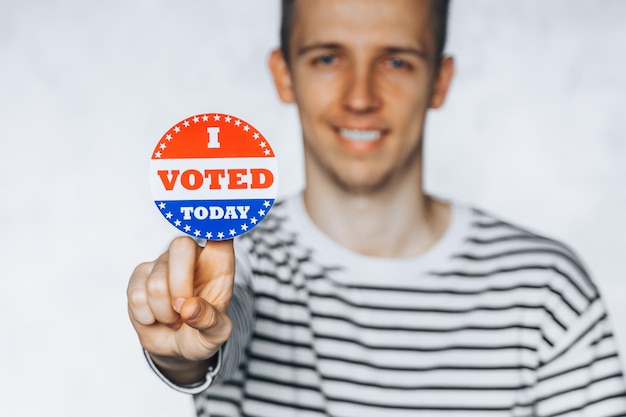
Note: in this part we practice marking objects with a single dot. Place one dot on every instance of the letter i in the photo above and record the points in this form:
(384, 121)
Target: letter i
(214, 140)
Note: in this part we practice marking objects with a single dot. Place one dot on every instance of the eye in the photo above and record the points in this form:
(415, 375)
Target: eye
(398, 63)
(326, 59)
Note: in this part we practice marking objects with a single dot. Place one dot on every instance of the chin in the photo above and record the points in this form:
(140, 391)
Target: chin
(357, 186)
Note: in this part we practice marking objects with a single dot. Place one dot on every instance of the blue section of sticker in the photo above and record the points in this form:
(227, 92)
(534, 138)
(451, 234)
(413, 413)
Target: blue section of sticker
(214, 219)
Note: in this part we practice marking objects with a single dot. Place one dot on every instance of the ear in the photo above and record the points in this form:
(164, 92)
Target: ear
(282, 76)
(442, 83)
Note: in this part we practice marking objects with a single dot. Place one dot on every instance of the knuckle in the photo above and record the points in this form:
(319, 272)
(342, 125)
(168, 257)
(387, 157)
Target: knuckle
(140, 273)
(144, 268)
(157, 286)
(212, 319)
(137, 297)
(204, 317)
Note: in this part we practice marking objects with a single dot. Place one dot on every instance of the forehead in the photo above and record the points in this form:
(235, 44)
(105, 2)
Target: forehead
(384, 22)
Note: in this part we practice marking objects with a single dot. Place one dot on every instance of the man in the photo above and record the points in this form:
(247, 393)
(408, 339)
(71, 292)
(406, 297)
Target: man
(364, 296)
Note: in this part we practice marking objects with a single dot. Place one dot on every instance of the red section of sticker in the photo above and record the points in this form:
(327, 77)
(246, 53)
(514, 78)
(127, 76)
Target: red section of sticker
(201, 136)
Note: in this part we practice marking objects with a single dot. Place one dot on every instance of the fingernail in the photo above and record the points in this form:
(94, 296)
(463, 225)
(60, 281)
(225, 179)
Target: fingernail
(178, 303)
(196, 312)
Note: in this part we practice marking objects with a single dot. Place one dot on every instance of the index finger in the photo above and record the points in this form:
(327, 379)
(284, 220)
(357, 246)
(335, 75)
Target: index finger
(181, 267)
(215, 272)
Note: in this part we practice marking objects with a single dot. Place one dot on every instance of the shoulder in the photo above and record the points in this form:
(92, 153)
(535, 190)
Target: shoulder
(516, 246)
(489, 228)
(545, 274)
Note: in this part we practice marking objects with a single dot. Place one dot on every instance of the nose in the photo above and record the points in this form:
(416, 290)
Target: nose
(360, 94)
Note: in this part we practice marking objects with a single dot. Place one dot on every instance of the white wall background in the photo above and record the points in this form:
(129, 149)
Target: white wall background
(534, 131)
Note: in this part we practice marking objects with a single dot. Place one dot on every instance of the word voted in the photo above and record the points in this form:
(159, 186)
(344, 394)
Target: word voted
(217, 179)
(215, 212)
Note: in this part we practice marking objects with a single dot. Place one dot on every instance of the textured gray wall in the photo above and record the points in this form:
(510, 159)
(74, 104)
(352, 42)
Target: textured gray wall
(533, 130)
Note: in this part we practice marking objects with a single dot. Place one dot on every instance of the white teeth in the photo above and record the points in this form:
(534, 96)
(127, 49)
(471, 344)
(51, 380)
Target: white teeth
(360, 135)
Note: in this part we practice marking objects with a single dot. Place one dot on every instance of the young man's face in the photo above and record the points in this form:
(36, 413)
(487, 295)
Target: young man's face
(363, 74)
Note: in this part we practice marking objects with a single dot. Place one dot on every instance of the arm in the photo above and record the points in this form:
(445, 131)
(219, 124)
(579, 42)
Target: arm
(582, 374)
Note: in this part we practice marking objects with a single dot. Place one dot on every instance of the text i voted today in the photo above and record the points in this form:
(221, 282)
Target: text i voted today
(213, 176)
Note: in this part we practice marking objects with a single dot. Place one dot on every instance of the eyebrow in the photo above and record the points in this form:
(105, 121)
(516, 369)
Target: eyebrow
(308, 48)
(421, 53)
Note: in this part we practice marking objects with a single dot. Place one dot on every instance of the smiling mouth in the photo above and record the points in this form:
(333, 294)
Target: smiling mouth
(359, 135)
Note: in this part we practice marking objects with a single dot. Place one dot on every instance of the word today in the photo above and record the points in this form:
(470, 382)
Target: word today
(215, 212)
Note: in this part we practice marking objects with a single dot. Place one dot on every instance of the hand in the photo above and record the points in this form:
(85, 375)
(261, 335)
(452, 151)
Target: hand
(178, 304)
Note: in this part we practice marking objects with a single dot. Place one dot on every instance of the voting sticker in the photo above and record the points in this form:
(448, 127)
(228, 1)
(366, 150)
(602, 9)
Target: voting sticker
(213, 176)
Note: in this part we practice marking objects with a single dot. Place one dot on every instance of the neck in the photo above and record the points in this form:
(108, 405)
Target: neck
(398, 221)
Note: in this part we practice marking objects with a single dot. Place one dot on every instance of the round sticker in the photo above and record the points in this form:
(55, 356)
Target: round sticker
(213, 176)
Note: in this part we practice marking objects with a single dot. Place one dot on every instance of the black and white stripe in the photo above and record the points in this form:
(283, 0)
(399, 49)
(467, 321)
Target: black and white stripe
(507, 323)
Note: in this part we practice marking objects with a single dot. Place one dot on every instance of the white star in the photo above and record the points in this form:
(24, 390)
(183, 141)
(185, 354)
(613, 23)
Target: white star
(168, 215)
(246, 128)
(267, 152)
(162, 146)
(220, 235)
(217, 117)
(266, 203)
(205, 118)
(209, 235)
(161, 205)
(262, 144)
(157, 154)
(227, 119)
(232, 232)
(256, 135)
(196, 119)
(186, 123)
(261, 212)
(244, 227)
(238, 123)
(196, 233)
(253, 220)
(177, 223)
(187, 228)
(177, 129)
(168, 137)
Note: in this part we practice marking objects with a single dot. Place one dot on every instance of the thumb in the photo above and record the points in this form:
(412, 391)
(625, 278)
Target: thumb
(198, 313)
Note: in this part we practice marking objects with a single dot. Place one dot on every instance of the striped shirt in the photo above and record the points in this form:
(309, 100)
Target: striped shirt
(493, 320)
